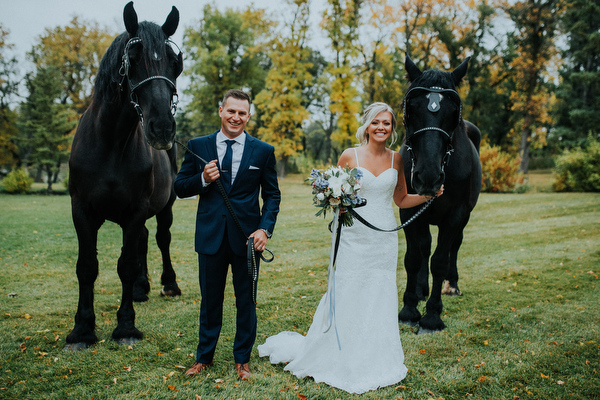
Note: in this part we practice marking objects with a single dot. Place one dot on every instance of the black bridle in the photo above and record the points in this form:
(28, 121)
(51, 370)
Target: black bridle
(434, 96)
(124, 72)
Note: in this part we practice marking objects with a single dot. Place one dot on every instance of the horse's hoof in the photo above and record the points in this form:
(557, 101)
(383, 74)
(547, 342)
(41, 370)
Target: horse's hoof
(171, 292)
(425, 331)
(139, 296)
(412, 324)
(77, 346)
(127, 341)
(450, 290)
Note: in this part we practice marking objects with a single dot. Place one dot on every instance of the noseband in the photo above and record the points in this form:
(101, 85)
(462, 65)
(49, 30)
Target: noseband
(434, 96)
(124, 72)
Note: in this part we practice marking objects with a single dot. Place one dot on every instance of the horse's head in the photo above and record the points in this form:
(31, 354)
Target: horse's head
(151, 64)
(432, 112)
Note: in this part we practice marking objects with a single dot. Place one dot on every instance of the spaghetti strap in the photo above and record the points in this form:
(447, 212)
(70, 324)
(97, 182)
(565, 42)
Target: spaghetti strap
(356, 155)
(393, 158)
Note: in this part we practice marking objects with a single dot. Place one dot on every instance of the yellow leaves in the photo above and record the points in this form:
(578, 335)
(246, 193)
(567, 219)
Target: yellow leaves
(26, 316)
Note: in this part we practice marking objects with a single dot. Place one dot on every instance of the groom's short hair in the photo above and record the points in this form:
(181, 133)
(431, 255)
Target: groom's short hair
(237, 94)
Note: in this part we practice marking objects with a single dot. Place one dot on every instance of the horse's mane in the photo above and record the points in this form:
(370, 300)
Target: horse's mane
(107, 82)
(434, 77)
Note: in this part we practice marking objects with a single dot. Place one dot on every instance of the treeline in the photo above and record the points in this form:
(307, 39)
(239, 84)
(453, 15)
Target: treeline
(533, 84)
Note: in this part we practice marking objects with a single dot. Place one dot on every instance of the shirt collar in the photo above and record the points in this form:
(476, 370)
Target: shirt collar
(241, 139)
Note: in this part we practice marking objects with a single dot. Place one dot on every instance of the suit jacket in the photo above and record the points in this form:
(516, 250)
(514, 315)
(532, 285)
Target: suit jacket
(256, 176)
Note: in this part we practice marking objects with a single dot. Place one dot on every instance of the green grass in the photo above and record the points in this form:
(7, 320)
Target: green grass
(527, 326)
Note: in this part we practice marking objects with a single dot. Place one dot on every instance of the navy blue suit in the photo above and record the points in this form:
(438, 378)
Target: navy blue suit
(218, 241)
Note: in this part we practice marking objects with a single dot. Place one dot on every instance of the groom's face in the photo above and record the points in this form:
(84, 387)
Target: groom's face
(235, 114)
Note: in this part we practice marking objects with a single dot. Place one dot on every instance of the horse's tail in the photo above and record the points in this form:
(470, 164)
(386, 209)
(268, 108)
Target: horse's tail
(474, 134)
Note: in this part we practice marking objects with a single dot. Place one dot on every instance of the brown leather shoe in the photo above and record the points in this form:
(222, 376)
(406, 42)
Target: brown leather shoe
(243, 371)
(197, 367)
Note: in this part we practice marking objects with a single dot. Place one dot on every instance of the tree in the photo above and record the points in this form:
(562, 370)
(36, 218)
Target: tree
(536, 23)
(75, 52)
(282, 103)
(579, 92)
(46, 123)
(227, 51)
(341, 22)
(9, 86)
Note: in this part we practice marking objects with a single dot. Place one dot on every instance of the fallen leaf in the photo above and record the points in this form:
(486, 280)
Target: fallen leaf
(170, 374)
(26, 316)
(127, 368)
(560, 382)
(115, 380)
(197, 396)
(481, 379)
(219, 380)
(173, 388)
(430, 392)
(544, 376)
(301, 396)
(180, 366)
(422, 351)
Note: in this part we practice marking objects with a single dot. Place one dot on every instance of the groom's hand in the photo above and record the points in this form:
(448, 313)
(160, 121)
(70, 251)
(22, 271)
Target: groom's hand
(211, 172)
(260, 240)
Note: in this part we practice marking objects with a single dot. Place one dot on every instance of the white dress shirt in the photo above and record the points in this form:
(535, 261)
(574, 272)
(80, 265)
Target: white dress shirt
(237, 151)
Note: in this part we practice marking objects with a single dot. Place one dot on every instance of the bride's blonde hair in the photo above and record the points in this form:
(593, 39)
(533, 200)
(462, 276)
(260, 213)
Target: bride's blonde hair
(369, 115)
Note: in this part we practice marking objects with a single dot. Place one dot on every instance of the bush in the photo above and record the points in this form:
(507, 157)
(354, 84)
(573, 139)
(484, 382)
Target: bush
(17, 181)
(500, 170)
(578, 170)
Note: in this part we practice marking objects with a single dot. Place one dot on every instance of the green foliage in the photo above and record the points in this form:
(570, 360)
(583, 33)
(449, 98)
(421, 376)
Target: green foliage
(579, 92)
(578, 170)
(226, 51)
(47, 124)
(17, 181)
(500, 170)
(526, 327)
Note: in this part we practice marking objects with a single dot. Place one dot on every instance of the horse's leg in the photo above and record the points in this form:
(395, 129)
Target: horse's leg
(423, 274)
(86, 227)
(164, 220)
(451, 283)
(418, 238)
(431, 321)
(128, 268)
(141, 287)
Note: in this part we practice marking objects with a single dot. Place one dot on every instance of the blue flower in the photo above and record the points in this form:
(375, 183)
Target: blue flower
(314, 173)
(359, 174)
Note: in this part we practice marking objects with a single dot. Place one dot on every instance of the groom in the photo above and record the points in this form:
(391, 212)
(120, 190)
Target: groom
(246, 168)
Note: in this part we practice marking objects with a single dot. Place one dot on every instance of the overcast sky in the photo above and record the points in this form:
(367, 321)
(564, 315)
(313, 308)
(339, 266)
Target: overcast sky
(26, 20)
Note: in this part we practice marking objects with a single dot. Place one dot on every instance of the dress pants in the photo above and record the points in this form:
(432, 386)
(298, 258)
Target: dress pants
(212, 276)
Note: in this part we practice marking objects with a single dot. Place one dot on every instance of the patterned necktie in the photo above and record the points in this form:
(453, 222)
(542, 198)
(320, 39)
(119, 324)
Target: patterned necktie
(226, 167)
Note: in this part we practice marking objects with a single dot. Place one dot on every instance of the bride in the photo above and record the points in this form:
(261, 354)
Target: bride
(362, 351)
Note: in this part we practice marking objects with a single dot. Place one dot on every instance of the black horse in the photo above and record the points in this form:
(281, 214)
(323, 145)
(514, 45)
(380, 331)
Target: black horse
(439, 148)
(123, 166)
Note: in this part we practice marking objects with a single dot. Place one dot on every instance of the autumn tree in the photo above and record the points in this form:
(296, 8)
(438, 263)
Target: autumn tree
(341, 21)
(75, 51)
(536, 23)
(9, 85)
(283, 102)
(579, 91)
(226, 50)
(46, 124)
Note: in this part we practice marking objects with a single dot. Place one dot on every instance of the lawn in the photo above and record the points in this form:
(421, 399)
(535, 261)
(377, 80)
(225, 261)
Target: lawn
(527, 326)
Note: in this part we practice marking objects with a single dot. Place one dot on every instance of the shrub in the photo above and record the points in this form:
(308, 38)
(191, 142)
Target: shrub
(500, 170)
(578, 170)
(17, 181)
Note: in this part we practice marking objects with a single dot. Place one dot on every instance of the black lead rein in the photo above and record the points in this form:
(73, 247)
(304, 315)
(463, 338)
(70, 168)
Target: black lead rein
(252, 267)
(404, 225)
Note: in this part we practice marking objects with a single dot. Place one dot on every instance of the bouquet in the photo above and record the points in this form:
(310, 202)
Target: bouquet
(334, 188)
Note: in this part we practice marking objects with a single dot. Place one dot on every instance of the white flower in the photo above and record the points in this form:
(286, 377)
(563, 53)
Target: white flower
(334, 202)
(320, 196)
(335, 183)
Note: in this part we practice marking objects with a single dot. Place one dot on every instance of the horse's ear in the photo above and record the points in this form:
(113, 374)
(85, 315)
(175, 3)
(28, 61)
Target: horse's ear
(170, 25)
(460, 71)
(411, 69)
(131, 19)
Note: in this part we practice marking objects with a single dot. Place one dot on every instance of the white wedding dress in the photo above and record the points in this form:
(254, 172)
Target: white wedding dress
(370, 353)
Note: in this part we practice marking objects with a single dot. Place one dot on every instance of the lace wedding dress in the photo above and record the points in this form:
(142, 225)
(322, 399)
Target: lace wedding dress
(369, 352)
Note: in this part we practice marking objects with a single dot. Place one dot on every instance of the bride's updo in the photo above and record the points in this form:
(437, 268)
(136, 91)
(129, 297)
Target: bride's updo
(368, 116)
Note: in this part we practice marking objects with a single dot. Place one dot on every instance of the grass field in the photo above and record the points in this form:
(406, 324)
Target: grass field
(527, 326)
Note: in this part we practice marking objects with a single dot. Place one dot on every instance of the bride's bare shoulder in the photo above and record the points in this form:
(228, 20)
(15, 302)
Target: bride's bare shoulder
(347, 158)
